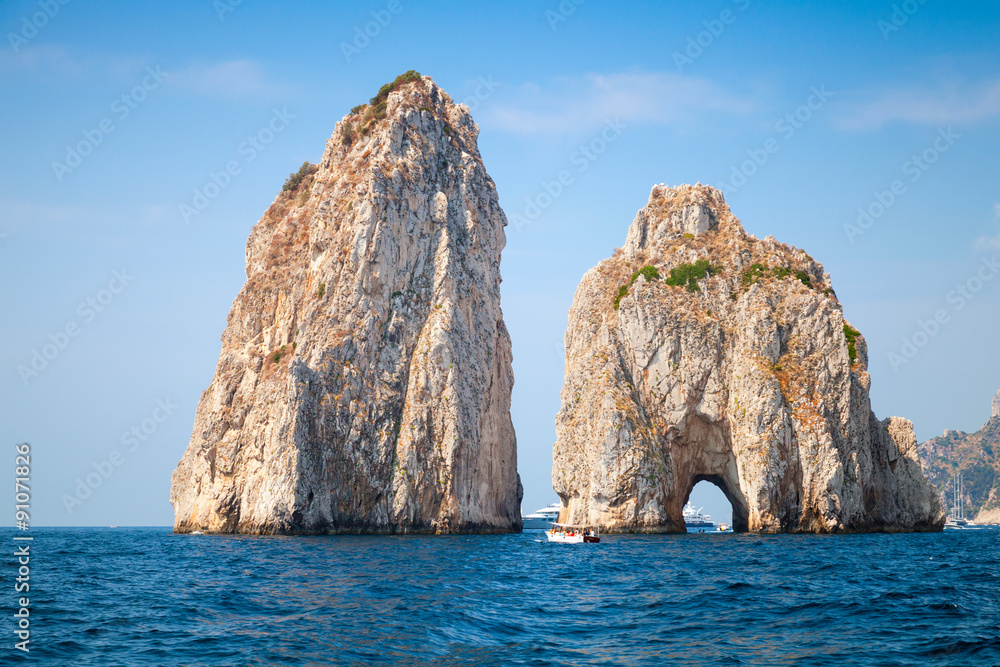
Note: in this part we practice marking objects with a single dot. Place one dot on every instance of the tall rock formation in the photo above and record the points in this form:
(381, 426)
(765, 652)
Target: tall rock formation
(977, 457)
(365, 376)
(697, 352)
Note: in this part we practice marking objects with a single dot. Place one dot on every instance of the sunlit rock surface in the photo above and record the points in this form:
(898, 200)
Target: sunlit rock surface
(745, 373)
(365, 376)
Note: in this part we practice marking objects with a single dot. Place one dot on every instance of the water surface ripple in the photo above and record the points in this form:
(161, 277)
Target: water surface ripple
(143, 596)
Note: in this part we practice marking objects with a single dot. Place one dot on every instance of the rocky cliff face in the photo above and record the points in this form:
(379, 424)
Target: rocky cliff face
(697, 352)
(365, 376)
(977, 457)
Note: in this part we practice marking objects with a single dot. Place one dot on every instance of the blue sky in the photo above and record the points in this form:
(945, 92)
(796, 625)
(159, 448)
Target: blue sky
(804, 114)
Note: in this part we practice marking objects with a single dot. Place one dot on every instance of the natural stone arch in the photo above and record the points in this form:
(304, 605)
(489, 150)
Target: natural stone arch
(741, 514)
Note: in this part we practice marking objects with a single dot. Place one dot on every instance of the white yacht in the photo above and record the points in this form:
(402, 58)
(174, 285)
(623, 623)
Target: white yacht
(957, 520)
(693, 518)
(543, 518)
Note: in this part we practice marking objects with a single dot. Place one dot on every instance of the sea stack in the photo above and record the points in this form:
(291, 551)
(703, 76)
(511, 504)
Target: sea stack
(698, 352)
(365, 377)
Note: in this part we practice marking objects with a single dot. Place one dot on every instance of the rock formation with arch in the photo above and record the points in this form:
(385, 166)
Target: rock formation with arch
(698, 352)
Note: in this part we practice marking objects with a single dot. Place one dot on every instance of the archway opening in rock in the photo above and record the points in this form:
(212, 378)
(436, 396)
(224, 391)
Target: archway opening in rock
(712, 494)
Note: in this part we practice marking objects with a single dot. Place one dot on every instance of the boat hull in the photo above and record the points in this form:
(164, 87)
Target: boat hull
(536, 523)
(561, 538)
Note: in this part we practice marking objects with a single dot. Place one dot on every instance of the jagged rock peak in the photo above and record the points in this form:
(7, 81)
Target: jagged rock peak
(698, 352)
(673, 212)
(365, 376)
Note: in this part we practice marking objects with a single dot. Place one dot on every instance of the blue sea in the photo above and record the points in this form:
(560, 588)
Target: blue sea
(143, 596)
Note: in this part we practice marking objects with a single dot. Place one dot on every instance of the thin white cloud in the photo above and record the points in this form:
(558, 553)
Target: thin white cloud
(151, 214)
(233, 78)
(55, 61)
(61, 65)
(31, 59)
(951, 103)
(576, 104)
(17, 215)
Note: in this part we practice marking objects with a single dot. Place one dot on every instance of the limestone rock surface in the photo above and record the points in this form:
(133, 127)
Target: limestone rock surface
(698, 352)
(365, 376)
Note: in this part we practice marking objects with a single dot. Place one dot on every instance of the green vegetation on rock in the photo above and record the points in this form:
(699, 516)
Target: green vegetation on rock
(752, 275)
(383, 93)
(781, 272)
(347, 133)
(689, 274)
(295, 179)
(648, 272)
(757, 271)
(376, 107)
(622, 293)
(851, 334)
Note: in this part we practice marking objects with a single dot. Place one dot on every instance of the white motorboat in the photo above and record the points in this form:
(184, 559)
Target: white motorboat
(566, 534)
(543, 518)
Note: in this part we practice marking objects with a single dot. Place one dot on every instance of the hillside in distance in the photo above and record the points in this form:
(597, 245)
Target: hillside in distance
(977, 457)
